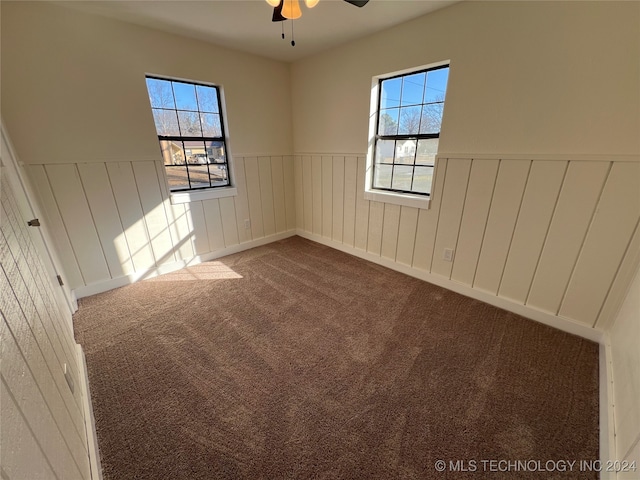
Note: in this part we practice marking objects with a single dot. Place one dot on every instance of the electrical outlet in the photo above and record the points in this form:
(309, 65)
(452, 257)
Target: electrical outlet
(447, 255)
(247, 223)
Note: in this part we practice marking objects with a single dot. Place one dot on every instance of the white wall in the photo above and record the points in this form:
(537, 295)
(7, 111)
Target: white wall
(525, 77)
(75, 103)
(624, 336)
(538, 187)
(43, 434)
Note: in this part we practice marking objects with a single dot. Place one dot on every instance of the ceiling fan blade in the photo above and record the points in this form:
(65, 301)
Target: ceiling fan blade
(277, 13)
(357, 3)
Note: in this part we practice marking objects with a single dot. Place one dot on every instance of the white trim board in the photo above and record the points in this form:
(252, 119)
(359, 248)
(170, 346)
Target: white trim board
(607, 410)
(89, 419)
(561, 323)
(100, 287)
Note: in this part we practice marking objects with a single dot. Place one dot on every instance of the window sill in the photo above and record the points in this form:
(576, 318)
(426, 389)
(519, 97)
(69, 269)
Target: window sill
(198, 195)
(403, 199)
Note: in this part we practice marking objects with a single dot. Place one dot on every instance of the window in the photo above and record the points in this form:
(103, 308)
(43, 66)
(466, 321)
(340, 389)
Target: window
(190, 127)
(406, 131)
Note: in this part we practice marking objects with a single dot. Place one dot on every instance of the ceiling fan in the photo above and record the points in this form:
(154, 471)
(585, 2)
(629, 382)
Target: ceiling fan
(290, 10)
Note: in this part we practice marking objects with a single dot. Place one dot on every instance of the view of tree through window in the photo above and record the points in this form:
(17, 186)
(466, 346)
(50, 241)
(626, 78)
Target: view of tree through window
(409, 117)
(190, 128)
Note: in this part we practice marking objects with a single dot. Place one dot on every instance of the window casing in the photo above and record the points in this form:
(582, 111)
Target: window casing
(407, 113)
(191, 132)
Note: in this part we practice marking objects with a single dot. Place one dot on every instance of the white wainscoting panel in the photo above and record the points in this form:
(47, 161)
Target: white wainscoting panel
(114, 221)
(550, 234)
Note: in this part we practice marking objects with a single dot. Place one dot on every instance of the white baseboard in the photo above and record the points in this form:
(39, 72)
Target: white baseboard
(110, 284)
(561, 323)
(607, 412)
(89, 419)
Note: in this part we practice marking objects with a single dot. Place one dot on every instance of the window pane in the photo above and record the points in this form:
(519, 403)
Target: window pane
(388, 122)
(390, 94)
(166, 122)
(409, 120)
(384, 151)
(436, 85)
(413, 89)
(189, 124)
(207, 99)
(185, 94)
(218, 175)
(195, 153)
(402, 177)
(172, 152)
(215, 152)
(382, 176)
(427, 149)
(177, 177)
(431, 118)
(405, 152)
(211, 125)
(199, 176)
(160, 93)
(422, 178)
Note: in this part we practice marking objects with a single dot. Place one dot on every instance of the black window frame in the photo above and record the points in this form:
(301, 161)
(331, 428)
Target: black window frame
(402, 137)
(179, 138)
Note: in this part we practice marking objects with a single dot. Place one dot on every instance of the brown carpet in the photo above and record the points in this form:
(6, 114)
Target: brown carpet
(295, 360)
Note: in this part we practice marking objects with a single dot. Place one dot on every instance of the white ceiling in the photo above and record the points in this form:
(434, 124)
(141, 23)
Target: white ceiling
(246, 24)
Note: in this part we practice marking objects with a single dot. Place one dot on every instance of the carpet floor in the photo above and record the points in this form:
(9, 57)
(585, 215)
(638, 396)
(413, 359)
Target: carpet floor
(297, 361)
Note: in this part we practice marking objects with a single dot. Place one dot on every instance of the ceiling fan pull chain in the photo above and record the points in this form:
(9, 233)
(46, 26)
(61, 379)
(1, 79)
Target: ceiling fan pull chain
(282, 25)
(293, 41)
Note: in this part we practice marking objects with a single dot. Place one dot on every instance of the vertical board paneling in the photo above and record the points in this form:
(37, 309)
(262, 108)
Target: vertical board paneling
(277, 175)
(307, 179)
(474, 219)
(350, 189)
(624, 277)
(60, 237)
(266, 196)
(390, 231)
(181, 234)
(198, 227)
(290, 192)
(33, 405)
(31, 345)
(36, 336)
(406, 235)
(130, 211)
(300, 205)
(539, 200)
(58, 337)
(507, 198)
(428, 221)
(77, 219)
(607, 239)
(327, 196)
(580, 192)
(229, 226)
(376, 219)
(103, 207)
(155, 216)
(316, 175)
(451, 205)
(362, 209)
(241, 202)
(26, 458)
(338, 199)
(214, 224)
(253, 193)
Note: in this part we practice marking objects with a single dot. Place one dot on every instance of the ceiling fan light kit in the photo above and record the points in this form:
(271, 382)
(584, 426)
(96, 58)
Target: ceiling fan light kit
(290, 10)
